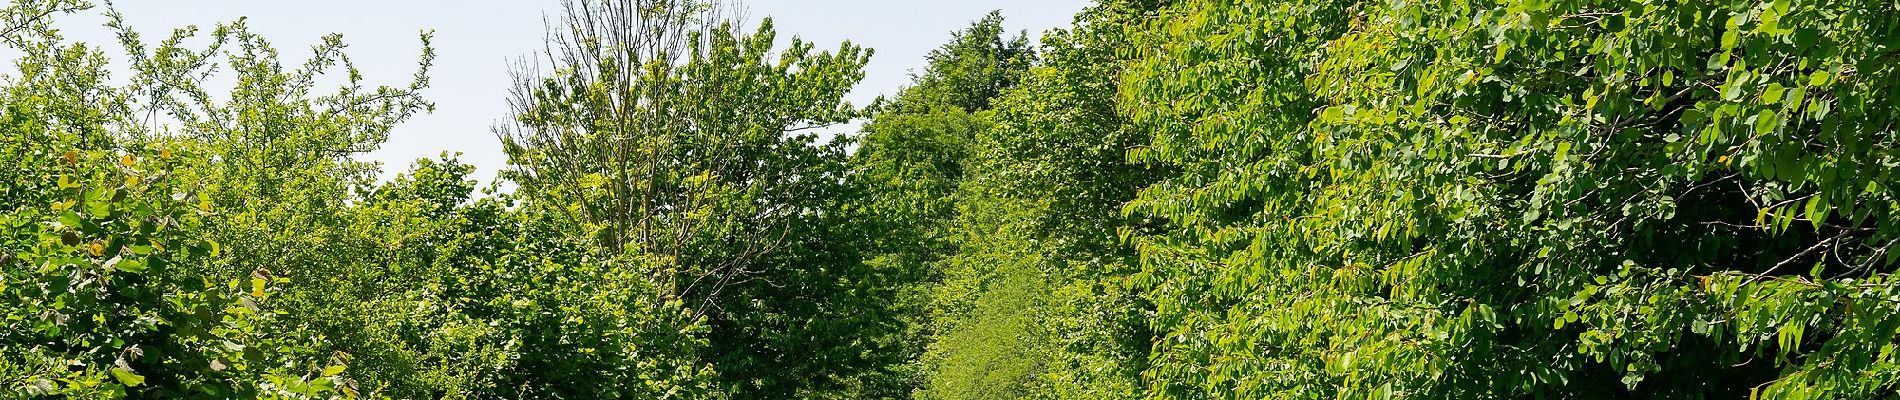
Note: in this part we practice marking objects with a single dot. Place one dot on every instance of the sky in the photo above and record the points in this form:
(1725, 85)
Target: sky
(478, 40)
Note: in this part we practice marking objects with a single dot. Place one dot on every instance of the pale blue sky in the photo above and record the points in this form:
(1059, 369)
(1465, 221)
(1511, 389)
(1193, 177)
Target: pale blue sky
(476, 42)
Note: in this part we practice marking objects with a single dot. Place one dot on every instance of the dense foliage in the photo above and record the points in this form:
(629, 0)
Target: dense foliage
(1194, 199)
(683, 142)
(1520, 198)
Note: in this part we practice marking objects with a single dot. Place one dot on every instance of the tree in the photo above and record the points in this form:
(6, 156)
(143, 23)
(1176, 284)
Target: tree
(116, 282)
(1039, 273)
(1517, 199)
(686, 145)
(677, 136)
(910, 162)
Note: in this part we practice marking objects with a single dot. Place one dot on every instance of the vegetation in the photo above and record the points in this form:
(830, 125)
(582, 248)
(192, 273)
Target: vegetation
(1193, 199)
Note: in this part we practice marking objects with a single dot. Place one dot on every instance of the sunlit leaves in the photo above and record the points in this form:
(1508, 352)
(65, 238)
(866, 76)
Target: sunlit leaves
(1531, 146)
(1034, 302)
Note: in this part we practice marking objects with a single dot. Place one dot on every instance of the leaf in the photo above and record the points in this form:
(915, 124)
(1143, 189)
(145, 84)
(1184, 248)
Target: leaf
(71, 219)
(1785, 217)
(1817, 210)
(98, 203)
(593, 181)
(1766, 122)
(1772, 94)
(1796, 97)
(333, 370)
(127, 377)
(1330, 114)
(1819, 109)
(132, 266)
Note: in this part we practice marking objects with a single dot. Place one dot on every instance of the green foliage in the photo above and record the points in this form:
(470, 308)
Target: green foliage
(1034, 302)
(106, 286)
(668, 136)
(104, 300)
(688, 151)
(977, 65)
(164, 242)
(911, 155)
(500, 299)
(911, 160)
(1520, 198)
(1173, 200)
(1057, 157)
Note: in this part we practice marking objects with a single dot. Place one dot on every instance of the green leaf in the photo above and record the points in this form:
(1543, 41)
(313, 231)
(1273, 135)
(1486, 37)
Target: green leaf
(1817, 210)
(1766, 122)
(132, 266)
(98, 204)
(1772, 94)
(71, 219)
(127, 377)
